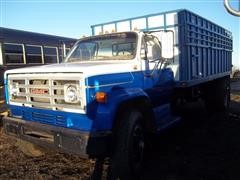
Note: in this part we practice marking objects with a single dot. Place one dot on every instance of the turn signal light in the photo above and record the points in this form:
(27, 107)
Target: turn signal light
(101, 97)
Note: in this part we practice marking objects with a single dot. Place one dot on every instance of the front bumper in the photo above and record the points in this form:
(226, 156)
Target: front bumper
(85, 144)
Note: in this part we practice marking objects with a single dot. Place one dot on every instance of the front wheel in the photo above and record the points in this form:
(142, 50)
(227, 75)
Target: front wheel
(127, 158)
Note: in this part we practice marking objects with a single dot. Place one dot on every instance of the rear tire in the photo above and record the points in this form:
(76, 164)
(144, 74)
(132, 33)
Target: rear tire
(217, 95)
(224, 101)
(127, 159)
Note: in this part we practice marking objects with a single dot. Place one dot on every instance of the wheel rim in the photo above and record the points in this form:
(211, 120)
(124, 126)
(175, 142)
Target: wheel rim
(226, 97)
(226, 101)
(138, 145)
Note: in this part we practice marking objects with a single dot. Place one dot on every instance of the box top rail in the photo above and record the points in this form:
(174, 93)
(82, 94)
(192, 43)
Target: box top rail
(150, 22)
(162, 20)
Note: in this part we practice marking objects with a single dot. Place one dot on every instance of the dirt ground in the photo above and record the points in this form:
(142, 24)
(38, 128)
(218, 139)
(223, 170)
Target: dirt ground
(203, 146)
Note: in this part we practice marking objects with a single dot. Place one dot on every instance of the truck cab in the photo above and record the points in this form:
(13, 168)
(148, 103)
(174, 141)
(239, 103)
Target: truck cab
(114, 89)
(83, 104)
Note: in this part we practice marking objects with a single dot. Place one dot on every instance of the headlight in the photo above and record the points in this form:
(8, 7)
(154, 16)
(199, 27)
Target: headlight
(71, 94)
(14, 90)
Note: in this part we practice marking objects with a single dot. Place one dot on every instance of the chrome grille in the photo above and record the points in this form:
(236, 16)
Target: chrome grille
(45, 90)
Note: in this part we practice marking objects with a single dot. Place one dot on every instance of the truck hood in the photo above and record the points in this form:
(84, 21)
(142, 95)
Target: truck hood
(87, 68)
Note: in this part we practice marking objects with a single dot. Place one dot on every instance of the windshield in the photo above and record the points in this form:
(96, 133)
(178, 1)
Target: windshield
(119, 46)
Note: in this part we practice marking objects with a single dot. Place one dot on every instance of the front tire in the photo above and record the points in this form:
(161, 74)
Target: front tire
(127, 158)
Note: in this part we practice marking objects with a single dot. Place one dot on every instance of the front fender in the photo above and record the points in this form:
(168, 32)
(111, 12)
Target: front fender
(103, 114)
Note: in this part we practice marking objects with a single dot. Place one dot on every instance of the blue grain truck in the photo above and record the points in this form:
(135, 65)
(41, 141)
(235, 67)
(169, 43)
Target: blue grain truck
(120, 85)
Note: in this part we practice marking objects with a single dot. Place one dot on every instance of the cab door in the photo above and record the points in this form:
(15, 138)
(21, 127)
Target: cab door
(158, 79)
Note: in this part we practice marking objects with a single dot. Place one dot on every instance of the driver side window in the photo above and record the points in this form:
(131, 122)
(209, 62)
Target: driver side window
(153, 47)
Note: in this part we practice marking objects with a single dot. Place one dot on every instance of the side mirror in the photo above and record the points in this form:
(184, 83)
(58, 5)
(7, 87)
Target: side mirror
(143, 54)
(166, 39)
(167, 42)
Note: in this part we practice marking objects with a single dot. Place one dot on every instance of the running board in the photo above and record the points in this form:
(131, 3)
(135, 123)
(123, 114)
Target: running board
(171, 121)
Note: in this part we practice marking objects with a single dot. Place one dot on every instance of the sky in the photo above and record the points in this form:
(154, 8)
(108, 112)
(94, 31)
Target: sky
(73, 18)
